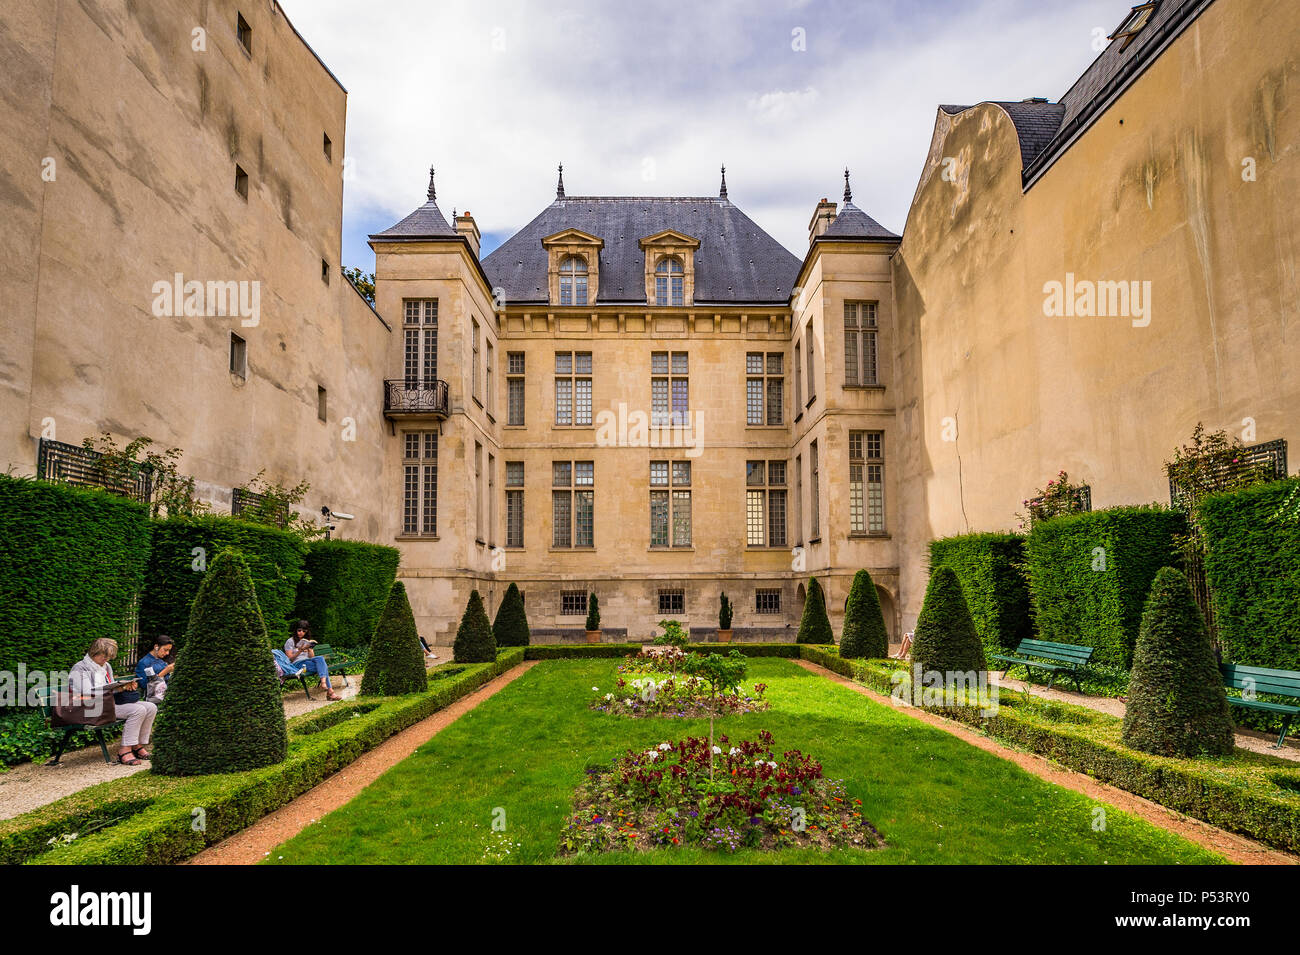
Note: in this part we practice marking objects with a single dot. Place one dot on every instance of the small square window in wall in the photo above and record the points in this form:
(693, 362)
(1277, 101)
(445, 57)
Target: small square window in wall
(321, 403)
(243, 32)
(767, 600)
(238, 356)
(328, 147)
(672, 601)
(573, 603)
(241, 181)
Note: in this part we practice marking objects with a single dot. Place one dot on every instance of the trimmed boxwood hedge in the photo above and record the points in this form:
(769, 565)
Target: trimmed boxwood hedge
(275, 562)
(1073, 603)
(1250, 793)
(990, 568)
(343, 590)
(163, 832)
(1252, 563)
(72, 561)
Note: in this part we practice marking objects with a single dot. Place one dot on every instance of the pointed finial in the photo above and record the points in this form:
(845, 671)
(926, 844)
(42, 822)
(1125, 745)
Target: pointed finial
(848, 195)
(722, 193)
(433, 194)
(559, 187)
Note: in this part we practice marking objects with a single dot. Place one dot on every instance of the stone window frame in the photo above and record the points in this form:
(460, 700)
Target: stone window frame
(572, 243)
(670, 244)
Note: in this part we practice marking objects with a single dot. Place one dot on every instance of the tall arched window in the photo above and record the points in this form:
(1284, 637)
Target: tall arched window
(669, 281)
(573, 281)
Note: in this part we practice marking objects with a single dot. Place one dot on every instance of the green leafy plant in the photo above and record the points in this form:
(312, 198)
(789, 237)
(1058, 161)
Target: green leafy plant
(363, 282)
(723, 675)
(674, 634)
(1177, 705)
(724, 612)
(945, 640)
(1060, 496)
(474, 640)
(593, 612)
(223, 712)
(173, 492)
(864, 632)
(815, 625)
(395, 662)
(273, 506)
(511, 625)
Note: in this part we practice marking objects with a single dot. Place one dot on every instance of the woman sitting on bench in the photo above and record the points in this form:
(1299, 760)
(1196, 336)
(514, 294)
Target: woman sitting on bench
(298, 650)
(91, 673)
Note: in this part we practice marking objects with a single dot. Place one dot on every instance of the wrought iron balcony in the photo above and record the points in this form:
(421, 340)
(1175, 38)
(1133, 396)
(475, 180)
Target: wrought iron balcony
(412, 397)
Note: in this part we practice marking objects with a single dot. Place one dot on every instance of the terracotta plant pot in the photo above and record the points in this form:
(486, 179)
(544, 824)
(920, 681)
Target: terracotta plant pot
(593, 636)
(724, 636)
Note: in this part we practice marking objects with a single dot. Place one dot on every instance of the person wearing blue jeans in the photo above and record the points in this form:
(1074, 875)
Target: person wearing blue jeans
(298, 648)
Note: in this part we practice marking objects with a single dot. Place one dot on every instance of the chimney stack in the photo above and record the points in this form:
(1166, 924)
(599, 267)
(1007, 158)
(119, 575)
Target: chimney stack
(821, 220)
(466, 226)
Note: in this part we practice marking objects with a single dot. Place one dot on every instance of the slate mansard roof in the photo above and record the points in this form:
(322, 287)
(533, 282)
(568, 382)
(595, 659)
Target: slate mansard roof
(1045, 130)
(736, 262)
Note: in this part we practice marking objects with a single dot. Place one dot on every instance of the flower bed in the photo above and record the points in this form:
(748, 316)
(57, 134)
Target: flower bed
(721, 799)
(653, 684)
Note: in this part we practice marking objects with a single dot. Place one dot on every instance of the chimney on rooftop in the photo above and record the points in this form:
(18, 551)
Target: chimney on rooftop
(822, 218)
(466, 226)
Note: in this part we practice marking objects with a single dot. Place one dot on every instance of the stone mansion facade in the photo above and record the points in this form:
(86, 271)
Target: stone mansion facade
(648, 398)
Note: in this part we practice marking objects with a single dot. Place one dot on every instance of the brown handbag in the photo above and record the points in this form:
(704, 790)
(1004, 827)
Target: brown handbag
(75, 709)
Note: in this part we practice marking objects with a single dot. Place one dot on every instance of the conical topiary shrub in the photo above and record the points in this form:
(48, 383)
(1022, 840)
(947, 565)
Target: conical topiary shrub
(511, 625)
(815, 626)
(945, 639)
(474, 640)
(223, 712)
(1176, 702)
(395, 663)
(864, 633)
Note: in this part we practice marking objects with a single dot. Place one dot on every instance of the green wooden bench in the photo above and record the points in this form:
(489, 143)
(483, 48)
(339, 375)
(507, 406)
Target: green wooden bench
(336, 660)
(46, 698)
(1253, 680)
(1055, 658)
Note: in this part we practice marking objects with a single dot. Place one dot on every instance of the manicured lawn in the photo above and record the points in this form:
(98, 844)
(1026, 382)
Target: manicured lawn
(932, 796)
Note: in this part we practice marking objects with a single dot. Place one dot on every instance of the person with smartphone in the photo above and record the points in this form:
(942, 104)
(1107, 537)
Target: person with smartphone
(299, 649)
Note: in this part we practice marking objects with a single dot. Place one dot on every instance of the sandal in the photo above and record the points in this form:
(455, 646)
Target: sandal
(122, 758)
(331, 695)
(141, 752)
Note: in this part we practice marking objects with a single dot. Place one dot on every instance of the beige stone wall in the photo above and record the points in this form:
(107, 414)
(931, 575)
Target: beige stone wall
(1153, 192)
(144, 132)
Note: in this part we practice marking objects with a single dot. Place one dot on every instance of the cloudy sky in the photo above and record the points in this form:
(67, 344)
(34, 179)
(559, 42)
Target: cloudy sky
(650, 99)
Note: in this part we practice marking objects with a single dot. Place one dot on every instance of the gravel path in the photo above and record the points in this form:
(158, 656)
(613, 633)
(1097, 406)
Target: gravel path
(1230, 845)
(29, 786)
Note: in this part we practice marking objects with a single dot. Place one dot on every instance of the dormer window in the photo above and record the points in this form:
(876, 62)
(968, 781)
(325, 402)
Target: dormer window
(573, 281)
(1133, 24)
(670, 268)
(572, 267)
(670, 281)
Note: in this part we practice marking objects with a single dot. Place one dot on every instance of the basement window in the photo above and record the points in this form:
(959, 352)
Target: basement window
(243, 32)
(238, 356)
(1134, 23)
(241, 181)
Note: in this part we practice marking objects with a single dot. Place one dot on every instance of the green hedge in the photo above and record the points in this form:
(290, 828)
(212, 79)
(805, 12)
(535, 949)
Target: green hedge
(159, 827)
(990, 568)
(1252, 563)
(1250, 793)
(72, 561)
(343, 590)
(275, 562)
(1102, 608)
